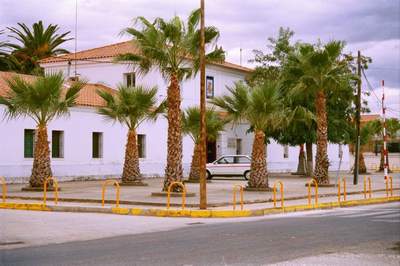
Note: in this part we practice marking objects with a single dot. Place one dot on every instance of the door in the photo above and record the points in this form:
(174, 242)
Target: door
(211, 151)
(238, 146)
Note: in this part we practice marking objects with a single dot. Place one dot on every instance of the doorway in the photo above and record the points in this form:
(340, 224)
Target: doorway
(211, 151)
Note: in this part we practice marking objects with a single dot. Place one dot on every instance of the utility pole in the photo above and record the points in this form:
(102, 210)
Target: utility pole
(385, 152)
(358, 115)
(203, 133)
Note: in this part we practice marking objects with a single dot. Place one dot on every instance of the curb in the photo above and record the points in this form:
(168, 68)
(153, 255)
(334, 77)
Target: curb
(197, 213)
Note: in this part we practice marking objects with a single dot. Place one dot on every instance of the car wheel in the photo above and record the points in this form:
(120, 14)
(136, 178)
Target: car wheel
(208, 175)
(246, 175)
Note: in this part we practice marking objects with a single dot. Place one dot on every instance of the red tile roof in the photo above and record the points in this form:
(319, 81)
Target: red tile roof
(87, 96)
(113, 50)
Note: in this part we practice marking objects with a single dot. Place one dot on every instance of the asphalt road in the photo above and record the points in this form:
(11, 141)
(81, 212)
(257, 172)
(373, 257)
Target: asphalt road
(373, 231)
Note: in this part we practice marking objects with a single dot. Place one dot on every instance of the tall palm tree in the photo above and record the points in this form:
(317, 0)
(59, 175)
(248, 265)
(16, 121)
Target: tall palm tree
(191, 127)
(261, 107)
(35, 44)
(131, 106)
(319, 70)
(43, 100)
(173, 48)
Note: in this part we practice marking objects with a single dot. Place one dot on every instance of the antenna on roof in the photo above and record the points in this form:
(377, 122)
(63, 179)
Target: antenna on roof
(240, 51)
(76, 34)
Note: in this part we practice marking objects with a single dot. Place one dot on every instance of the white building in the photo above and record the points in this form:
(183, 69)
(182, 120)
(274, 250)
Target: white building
(85, 145)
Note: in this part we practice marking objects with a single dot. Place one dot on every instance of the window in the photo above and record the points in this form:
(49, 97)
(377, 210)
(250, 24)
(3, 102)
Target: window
(209, 87)
(225, 160)
(130, 79)
(286, 151)
(97, 145)
(141, 140)
(29, 143)
(241, 160)
(57, 144)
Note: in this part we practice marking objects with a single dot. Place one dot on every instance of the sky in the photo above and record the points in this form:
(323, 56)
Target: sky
(371, 26)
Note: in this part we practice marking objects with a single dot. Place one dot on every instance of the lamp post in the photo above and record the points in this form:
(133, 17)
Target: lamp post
(203, 133)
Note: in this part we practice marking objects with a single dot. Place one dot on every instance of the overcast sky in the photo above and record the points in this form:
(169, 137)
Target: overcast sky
(372, 26)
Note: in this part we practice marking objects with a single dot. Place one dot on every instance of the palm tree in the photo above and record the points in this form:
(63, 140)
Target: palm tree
(173, 48)
(43, 100)
(131, 106)
(320, 70)
(191, 127)
(35, 44)
(261, 107)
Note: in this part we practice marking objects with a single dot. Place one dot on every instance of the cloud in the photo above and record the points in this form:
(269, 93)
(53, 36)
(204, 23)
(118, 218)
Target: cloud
(370, 26)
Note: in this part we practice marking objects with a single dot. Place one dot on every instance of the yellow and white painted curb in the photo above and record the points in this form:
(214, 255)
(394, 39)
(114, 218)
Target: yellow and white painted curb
(197, 213)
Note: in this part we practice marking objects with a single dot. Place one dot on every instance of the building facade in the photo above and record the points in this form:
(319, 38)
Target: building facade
(85, 145)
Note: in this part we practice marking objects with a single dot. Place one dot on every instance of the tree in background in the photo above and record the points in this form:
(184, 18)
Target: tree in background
(261, 107)
(173, 48)
(131, 106)
(191, 127)
(35, 44)
(43, 100)
(392, 130)
(320, 70)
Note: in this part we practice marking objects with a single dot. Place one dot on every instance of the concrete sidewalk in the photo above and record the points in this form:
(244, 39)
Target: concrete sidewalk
(219, 193)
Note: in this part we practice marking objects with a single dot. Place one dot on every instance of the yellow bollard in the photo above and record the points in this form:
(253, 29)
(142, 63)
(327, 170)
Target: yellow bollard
(4, 188)
(316, 191)
(281, 188)
(369, 187)
(344, 189)
(55, 189)
(241, 196)
(387, 186)
(103, 190)
(183, 193)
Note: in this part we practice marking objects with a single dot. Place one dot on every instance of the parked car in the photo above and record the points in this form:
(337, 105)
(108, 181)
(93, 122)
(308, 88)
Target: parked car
(229, 165)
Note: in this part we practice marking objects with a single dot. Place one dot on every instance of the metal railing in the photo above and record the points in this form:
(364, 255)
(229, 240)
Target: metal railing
(369, 191)
(241, 196)
(183, 193)
(281, 189)
(55, 189)
(309, 191)
(387, 179)
(103, 191)
(4, 188)
(344, 189)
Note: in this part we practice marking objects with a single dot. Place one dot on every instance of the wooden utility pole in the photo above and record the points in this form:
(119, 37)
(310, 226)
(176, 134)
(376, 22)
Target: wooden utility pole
(203, 133)
(358, 117)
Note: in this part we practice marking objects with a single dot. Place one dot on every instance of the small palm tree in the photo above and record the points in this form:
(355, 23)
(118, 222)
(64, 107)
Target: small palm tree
(43, 100)
(191, 127)
(320, 70)
(173, 48)
(131, 106)
(261, 107)
(35, 44)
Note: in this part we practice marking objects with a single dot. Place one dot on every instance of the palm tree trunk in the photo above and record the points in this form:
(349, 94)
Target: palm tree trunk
(41, 168)
(259, 174)
(195, 165)
(173, 170)
(309, 153)
(362, 168)
(131, 171)
(301, 166)
(321, 160)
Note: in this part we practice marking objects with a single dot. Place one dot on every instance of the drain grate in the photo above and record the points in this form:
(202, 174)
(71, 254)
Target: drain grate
(11, 243)
(195, 223)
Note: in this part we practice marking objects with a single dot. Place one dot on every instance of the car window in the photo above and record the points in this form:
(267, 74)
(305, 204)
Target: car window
(241, 159)
(225, 160)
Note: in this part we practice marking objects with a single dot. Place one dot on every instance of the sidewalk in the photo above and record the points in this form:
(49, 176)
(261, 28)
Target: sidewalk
(219, 193)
